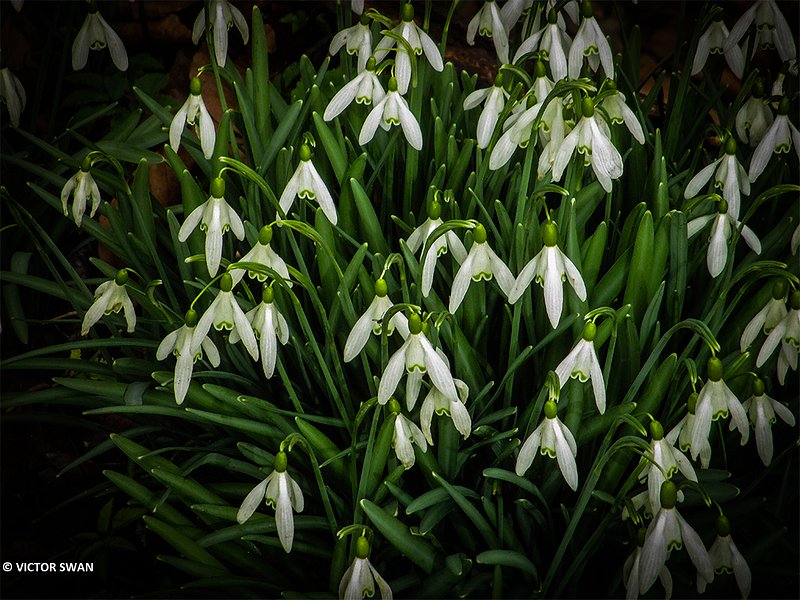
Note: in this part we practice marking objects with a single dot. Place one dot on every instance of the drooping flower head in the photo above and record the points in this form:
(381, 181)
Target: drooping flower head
(714, 401)
(269, 326)
(592, 138)
(762, 411)
(488, 23)
(722, 228)
(436, 402)
(223, 16)
(215, 216)
(728, 175)
(418, 40)
(110, 297)
(280, 491)
(365, 88)
(96, 33)
(553, 45)
(481, 263)
(726, 558)
(194, 113)
(307, 183)
(179, 343)
(416, 357)
(554, 439)
(360, 580)
(262, 253)
(632, 566)
(714, 41)
(82, 187)
(669, 531)
(448, 241)
(754, 117)
(772, 30)
(495, 100)
(683, 431)
(767, 318)
(405, 434)
(372, 322)
(778, 139)
(224, 313)
(582, 363)
(662, 462)
(356, 39)
(550, 268)
(590, 42)
(390, 111)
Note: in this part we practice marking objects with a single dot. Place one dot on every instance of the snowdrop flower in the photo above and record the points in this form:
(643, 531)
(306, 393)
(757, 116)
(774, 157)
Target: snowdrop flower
(513, 10)
(356, 39)
(215, 217)
(405, 433)
(555, 439)
(360, 579)
(754, 117)
(436, 402)
(83, 186)
(223, 15)
(726, 558)
(761, 409)
(682, 433)
(518, 130)
(771, 28)
(440, 245)
(261, 253)
(225, 313)
(713, 42)
(553, 45)
(714, 401)
(280, 491)
(357, 6)
(630, 570)
(364, 89)
(12, 94)
(96, 34)
(582, 363)
(418, 40)
(416, 355)
(591, 137)
(481, 263)
(372, 321)
(110, 296)
(787, 331)
(729, 176)
(179, 343)
(618, 112)
(767, 318)
(721, 229)
(662, 459)
(778, 139)
(194, 112)
(306, 183)
(392, 110)
(550, 268)
(487, 22)
(495, 100)
(270, 328)
(669, 531)
(592, 43)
